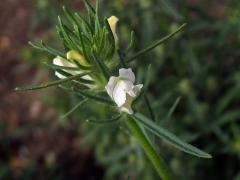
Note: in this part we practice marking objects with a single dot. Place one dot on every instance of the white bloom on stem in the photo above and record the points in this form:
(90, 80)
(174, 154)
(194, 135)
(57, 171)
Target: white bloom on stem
(122, 89)
(59, 61)
(113, 20)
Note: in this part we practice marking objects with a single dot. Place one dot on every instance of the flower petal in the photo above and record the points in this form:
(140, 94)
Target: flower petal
(137, 89)
(110, 86)
(59, 61)
(119, 94)
(126, 107)
(60, 76)
(127, 74)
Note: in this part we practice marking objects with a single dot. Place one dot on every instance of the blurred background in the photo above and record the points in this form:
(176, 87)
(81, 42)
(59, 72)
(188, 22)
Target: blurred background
(201, 65)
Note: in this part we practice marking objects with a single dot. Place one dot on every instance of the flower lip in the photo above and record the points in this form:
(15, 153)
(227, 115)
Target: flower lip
(62, 62)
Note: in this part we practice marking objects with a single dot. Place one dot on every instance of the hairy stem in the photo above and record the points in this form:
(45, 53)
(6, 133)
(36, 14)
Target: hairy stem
(155, 159)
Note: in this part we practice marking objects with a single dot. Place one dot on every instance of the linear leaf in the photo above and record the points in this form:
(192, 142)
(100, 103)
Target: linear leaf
(122, 58)
(85, 54)
(149, 106)
(41, 86)
(111, 120)
(169, 137)
(148, 78)
(95, 97)
(101, 66)
(152, 46)
(66, 35)
(42, 46)
(89, 6)
(224, 101)
(71, 18)
(74, 108)
(170, 112)
(132, 42)
(85, 25)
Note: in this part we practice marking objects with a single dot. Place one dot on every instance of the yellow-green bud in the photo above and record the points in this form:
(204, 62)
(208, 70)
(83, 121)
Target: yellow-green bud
(113, 20)
(74, 55)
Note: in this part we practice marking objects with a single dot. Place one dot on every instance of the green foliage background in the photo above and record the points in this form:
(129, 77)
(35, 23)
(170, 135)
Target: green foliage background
(200, 65)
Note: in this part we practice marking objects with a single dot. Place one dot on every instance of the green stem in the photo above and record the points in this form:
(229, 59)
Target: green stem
(155, 159)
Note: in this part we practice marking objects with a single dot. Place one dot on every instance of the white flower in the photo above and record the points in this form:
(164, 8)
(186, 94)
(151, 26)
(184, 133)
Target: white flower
(122, 89)
(113, 20)
(59, 61)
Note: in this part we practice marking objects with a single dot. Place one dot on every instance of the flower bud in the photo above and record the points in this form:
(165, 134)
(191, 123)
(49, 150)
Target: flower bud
(113, 20)
(59, 61)
(74, 55)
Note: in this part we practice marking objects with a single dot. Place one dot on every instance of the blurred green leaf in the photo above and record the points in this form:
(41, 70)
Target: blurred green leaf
(169, 137)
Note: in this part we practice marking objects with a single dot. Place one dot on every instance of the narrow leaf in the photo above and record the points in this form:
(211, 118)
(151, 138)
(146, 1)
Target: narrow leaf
(84, 48)
(95, 97)
(101, 66)
(42, 46)
(152, 46)
(169, 137)
(224, 101)
(112, 120)
(132, 42)
(66, 35)
(151, 112)
(171, 110)
(74, 108)
(97, 22)
(85, 24)
(148, 78)
(41, 86)
(122, 59)
(71, 18)
(89, 6)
